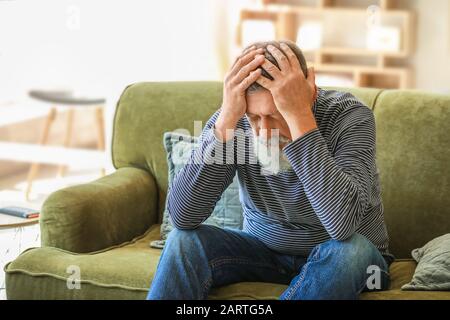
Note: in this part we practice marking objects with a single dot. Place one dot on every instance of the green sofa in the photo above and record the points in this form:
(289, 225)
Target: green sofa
(105, 227)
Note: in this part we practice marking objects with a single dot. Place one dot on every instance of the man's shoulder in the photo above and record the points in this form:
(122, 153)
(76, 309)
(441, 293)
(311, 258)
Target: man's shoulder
(337, 104)
(342, 98)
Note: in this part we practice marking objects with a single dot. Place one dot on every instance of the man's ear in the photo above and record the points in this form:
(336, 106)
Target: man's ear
(312, 80)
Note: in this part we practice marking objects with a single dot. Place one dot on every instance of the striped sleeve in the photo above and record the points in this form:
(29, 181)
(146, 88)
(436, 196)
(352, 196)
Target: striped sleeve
(198, 186)
(338, 186)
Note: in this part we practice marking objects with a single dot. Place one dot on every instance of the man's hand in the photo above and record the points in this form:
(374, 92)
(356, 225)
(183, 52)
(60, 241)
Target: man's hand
(292, 92)
(241, 75)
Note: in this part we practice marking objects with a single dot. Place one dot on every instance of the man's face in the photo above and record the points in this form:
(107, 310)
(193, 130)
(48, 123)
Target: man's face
(263, 114)
(264, 118)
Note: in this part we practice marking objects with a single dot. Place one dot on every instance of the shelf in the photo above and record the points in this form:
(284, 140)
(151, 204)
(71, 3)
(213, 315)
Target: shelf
(286, 17)
(364, 75)
(356, 52)
(383, 4)
(285, 8)
(348, 56)
(355, 68)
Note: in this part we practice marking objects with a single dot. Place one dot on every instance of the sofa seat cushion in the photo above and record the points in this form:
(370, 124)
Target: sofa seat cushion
(119, 272)
(401, 272)
(125, 272)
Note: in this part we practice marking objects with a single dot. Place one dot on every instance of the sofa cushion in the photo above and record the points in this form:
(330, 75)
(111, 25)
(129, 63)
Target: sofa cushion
(119, 272)
(228, 210)
(401, 272)
(433, 269)
(125, 272)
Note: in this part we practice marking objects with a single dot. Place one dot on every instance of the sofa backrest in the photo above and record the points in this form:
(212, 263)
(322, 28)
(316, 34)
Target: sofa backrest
(413, 157)
(413, 148)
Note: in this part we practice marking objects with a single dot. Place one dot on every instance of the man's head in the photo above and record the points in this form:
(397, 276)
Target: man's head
(261, 110)
(254, 87)
(263, 114)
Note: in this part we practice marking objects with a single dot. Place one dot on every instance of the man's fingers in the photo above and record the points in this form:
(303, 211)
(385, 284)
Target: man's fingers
(245, 70)
(265, 82)
(243, 53)
(243, 59)
(293, 60)
(271, 69)
(249, 80)
(247, 50)
(282, 60)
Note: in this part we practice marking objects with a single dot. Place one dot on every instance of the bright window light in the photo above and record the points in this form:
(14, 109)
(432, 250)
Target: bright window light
(309, 36)
(257, 30)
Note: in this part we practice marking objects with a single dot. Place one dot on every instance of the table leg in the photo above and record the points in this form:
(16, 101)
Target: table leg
(67, 138)
(34, 168)
(100, 131)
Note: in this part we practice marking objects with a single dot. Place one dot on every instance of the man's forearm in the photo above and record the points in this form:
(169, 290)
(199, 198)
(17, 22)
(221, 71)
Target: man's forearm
(337, 188)
(302, 123)
(199, 185)
(224, 127)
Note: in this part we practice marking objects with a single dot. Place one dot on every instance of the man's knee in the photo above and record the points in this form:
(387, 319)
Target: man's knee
(186, 238)
(356, 248)
(361, 257)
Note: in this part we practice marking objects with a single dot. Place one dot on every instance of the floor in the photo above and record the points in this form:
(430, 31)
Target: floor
(15, 240)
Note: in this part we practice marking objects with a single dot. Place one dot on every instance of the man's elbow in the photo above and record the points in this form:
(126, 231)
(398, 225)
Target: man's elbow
(349, 222)
(183, 225)
(341, 236)
(342, 233)
(180, 221)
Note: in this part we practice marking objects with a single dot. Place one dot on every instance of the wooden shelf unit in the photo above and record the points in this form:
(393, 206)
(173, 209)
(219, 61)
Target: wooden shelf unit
(381, 72)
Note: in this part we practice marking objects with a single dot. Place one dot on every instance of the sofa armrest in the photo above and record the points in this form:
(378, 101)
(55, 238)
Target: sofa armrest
(102, 213)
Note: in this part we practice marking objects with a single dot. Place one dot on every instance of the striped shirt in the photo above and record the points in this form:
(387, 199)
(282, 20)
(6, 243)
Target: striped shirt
(332, 191)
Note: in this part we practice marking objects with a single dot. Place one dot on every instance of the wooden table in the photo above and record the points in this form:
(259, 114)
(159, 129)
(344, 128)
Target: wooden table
(7, 221)
(13, 245)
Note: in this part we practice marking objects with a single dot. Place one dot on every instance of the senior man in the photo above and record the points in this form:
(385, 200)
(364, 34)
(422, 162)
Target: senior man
(313, 213)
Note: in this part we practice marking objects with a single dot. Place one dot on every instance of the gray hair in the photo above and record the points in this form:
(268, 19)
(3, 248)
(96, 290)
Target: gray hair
(298, 52)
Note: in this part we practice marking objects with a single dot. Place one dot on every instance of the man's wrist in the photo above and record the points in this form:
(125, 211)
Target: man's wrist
(224, 128)
(301, 124)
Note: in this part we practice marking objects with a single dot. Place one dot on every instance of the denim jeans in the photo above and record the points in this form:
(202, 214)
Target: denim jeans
(194, 261)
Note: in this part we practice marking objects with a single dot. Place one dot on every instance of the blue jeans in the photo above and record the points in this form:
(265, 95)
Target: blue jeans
(194, 261)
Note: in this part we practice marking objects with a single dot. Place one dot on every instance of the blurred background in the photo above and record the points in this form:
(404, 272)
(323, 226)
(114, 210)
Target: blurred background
(64, 64)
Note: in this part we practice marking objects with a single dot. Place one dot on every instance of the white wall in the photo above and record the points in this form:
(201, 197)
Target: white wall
(99, 47)
(432, 57)
(117, 42)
